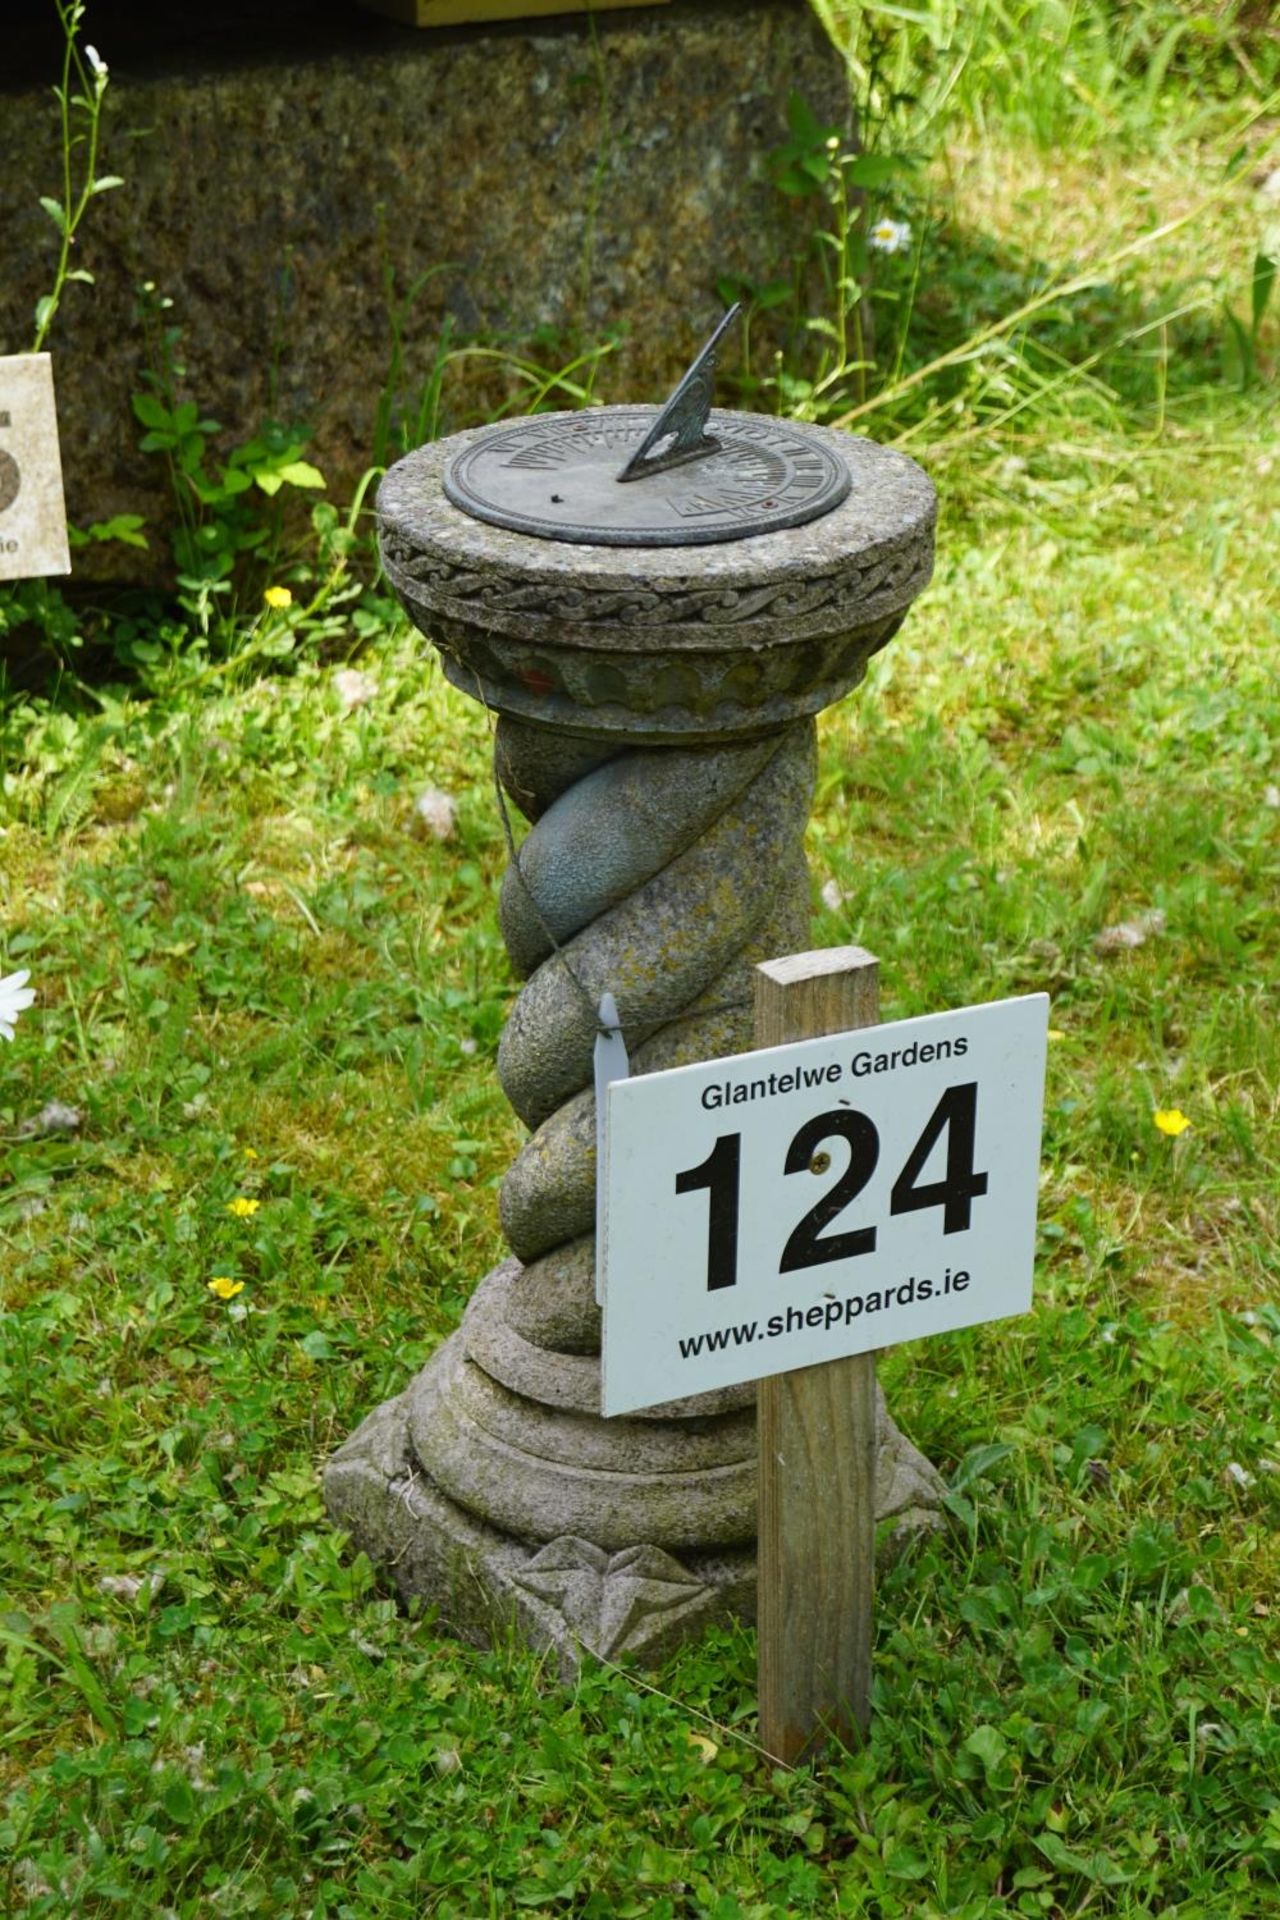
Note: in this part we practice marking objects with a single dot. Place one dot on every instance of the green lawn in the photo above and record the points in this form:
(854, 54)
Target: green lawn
(256, 984)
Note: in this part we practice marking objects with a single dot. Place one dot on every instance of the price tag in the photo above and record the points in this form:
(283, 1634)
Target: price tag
(787, 1207)
(33, 517)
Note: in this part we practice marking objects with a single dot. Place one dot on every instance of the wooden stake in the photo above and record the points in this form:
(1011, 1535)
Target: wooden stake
(817, 1427)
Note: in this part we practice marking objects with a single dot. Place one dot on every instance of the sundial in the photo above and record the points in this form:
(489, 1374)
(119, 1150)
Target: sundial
(652, 604)
(683, 475)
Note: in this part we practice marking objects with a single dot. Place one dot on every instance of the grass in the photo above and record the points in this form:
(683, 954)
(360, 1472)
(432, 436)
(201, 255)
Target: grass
(257, 985)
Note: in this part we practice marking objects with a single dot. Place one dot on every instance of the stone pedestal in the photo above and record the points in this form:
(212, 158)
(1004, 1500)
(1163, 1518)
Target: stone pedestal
(655, 725)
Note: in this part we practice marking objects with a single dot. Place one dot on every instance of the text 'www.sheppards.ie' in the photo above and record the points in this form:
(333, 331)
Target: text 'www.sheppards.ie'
(827, 1314)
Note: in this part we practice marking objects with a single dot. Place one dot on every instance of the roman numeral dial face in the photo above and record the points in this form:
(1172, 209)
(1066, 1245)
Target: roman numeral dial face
(556, 476)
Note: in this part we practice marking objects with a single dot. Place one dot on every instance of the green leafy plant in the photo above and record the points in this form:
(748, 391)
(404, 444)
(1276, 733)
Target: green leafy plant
(79, 94)
(41, 609)
(227, 511)
(126, 529)
(843, 185)
(219, 514)
(408, 416)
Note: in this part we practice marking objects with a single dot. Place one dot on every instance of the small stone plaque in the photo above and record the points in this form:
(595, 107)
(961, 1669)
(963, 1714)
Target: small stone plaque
(33, 515)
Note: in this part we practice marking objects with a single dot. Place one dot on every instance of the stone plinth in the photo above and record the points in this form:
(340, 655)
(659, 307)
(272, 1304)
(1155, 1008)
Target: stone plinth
(655, 725)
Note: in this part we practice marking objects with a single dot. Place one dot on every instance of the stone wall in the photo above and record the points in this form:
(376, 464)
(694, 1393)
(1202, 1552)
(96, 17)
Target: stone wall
(563, 178)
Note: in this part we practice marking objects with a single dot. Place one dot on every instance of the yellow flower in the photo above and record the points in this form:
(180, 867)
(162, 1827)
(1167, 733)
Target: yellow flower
(250, 1153)
(1171, 1120)
(278, 598)
(226, 1289)
(1056, 1033)
(242, 1208)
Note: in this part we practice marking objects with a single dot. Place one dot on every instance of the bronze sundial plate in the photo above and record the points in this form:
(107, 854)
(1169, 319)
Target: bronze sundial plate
(555, 476)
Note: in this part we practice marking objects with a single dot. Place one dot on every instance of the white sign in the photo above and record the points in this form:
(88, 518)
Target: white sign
(33, 518)
(786, 1207)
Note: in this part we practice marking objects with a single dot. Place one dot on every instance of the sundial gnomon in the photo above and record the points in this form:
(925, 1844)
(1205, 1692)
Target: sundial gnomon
(681, 475)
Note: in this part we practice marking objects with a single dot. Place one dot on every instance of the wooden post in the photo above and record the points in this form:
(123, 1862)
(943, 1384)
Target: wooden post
(817, 1426)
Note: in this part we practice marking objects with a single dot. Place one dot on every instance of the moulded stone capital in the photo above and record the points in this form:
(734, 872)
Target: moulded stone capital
(662, 643)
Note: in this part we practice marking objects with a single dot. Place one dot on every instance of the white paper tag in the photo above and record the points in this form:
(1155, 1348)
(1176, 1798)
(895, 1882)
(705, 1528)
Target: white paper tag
(33, 514)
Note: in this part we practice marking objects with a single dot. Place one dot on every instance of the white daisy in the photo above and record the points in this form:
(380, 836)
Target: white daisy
(15, 997)
(889, 236)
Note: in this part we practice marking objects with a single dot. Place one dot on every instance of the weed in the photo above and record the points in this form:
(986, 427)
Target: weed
(79, 94)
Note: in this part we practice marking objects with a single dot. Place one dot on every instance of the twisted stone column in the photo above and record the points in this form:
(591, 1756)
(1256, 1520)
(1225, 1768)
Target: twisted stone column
(655, 728)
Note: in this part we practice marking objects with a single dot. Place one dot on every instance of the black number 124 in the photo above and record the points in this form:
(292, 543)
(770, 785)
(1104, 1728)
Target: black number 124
(956, 1115)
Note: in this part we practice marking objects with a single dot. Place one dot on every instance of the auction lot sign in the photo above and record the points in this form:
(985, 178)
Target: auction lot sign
(33, 519)
(786, 1207)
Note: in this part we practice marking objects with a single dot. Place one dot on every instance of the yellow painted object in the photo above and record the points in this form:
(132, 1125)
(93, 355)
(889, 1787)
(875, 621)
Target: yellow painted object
(455, 13)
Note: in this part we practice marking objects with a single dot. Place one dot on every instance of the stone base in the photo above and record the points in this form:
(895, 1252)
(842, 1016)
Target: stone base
(565, 1598)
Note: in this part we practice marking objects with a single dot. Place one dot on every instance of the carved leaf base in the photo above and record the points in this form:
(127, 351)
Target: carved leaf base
(567, 1598)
